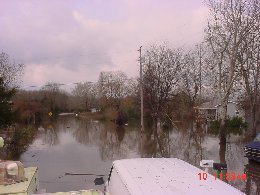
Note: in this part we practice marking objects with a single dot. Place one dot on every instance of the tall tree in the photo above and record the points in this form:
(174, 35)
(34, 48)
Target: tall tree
(112, 86)
(85, 94)
(161, 75)
(193, 73)
(10, 71)
(6, 113)
(249, 58)
(231, 22)
(54, 98)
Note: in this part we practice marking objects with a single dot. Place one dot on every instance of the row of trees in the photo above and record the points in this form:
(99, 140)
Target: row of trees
(113, 89)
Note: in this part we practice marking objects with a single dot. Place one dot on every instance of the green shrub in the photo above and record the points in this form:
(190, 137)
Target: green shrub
(235, 122)
(235, 125)
(214, 124)
(21, 139)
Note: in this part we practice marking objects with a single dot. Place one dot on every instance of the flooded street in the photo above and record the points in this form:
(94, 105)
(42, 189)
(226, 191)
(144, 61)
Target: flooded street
(70, 146)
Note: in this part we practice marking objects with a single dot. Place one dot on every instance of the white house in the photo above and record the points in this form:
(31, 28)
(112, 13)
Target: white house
(210, 110)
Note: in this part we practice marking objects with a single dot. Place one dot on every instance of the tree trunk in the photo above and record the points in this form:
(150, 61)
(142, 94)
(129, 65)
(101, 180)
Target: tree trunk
(156, 136)
(155, 129)
(222, 151)
(222, 118)
(253, 120)
(222, 155)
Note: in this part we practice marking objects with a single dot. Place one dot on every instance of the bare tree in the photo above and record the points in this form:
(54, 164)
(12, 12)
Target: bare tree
(249, 58)
(54, 98)
(85, 95)
(231, 22)
(132, 87)
(112, 86)
(10, 71)
(193, 73)
(161, 76)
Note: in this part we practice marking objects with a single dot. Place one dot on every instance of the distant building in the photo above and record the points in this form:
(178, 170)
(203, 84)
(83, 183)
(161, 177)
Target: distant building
(210, 110)
(93, 110)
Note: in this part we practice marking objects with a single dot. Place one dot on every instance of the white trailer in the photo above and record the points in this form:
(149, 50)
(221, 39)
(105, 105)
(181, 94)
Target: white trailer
(165, 176)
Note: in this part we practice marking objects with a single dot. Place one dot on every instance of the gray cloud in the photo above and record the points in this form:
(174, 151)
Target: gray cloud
(68, 41)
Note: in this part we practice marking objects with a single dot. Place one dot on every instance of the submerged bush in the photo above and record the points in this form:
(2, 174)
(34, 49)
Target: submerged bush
(21, 139)
(235, 125)
(235, 122)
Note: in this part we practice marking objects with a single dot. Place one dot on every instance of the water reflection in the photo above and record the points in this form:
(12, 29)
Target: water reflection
(253, 178)
(81, 133)
(50, 135)
(232, 154)
(185, 143)
(120, 131)
(88, 146)
(107, 137)
(147, 146)
(193, 152)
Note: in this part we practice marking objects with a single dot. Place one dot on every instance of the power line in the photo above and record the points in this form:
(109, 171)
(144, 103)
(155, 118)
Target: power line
(53, 83)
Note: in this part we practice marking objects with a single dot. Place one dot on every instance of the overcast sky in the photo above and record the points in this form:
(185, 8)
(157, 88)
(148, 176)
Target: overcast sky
(73, 40)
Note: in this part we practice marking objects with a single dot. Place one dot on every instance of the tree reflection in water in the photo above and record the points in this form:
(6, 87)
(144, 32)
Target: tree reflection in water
(147, 146)
(120, 131)
(81, 133)
(185, 143)
(193, 151)
(50, 135)
(253, 178)
(232, 154)
(109, 138)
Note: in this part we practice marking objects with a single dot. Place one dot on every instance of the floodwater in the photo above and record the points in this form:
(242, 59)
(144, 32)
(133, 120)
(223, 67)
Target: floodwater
(72, 152)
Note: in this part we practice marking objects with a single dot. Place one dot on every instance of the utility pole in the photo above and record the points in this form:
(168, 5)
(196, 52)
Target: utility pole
(200, 70)
(141, 90)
